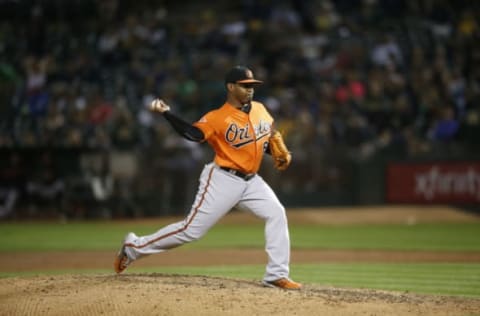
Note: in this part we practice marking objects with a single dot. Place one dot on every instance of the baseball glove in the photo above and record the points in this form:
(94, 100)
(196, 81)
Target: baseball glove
(278, 150)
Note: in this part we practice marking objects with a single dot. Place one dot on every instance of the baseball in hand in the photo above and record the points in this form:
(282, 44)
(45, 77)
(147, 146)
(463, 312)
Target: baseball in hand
(159, 105)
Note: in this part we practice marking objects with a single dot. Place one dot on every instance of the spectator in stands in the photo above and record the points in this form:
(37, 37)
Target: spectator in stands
(445, 127)
(357, 69)
(46, 187)
(101, 184)
(36, 86)
(12, 184)
(387, 52)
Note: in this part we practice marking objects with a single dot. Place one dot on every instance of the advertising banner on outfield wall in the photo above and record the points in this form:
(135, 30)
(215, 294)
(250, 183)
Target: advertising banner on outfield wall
(440, 182)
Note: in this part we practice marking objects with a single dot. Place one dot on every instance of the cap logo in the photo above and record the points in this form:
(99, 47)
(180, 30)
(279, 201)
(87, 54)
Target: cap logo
(249, 73)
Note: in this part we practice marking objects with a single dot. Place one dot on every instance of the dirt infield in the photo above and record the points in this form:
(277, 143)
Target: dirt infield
(160, 294)
(22, 262)
(157, 294)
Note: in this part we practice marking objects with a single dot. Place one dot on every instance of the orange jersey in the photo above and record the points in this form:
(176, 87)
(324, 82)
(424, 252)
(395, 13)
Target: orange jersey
(239, 139)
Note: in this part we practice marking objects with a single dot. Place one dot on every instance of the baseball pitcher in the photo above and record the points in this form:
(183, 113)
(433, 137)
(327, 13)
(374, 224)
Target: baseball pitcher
(240, 132)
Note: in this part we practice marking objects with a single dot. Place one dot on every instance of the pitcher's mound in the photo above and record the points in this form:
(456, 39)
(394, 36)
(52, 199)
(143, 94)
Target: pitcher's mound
(159, 294)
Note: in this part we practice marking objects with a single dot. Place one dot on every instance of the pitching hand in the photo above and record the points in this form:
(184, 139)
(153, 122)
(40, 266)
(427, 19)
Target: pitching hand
(158, 105)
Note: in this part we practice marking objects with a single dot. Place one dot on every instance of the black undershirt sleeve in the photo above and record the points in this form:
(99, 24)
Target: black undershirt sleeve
(267, 150)
(183, 128)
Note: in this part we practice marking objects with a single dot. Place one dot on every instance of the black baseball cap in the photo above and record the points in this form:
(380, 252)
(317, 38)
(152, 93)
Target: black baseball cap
(241, 74)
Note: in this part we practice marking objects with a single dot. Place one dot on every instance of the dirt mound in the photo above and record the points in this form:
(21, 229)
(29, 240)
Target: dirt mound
(159, 294)
(391, 214)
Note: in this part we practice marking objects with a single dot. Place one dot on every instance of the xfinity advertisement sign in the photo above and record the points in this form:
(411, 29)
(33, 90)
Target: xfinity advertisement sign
(444, 182)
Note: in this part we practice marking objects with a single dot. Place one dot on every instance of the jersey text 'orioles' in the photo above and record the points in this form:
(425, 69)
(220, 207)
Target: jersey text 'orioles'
(239, 139)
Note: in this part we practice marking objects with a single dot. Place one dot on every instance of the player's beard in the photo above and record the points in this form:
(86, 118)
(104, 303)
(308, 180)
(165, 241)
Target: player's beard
(248, 98)
(245, 99)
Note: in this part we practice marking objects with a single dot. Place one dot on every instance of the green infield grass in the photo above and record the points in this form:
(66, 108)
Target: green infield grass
(439, 278)
(107, 235)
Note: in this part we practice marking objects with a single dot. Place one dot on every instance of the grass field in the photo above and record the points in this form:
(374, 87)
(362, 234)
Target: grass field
(106, 236)
(439, 278)
(434, 278)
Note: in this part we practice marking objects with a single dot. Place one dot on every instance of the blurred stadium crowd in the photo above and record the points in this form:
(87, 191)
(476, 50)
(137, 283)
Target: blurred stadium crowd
(357, 77)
